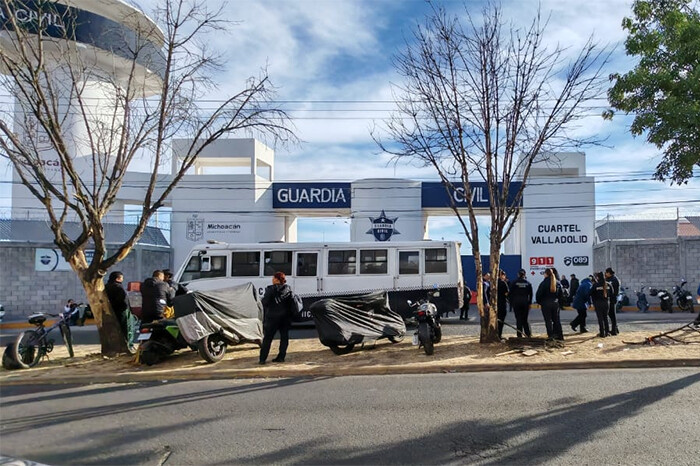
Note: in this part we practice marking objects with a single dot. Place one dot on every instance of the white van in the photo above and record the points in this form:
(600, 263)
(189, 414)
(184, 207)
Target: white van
(406, 270)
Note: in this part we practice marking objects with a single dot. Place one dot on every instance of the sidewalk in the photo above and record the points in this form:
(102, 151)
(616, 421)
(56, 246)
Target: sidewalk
(308, 358)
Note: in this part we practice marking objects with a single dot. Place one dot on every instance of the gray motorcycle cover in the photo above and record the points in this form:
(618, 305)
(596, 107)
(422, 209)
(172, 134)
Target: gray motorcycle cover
(353, 319)
(237, 310)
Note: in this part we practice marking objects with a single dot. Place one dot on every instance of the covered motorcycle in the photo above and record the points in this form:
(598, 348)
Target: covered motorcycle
(214, 319)
(349, 320)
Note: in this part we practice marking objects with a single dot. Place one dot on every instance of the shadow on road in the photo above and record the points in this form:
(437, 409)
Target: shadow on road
(527, 440)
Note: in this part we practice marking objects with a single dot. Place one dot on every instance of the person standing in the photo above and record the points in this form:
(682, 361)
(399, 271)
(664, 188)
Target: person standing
(601, 303)
(697, 319)
(574, 285)
(118, 300)
(520, 298)
(549, 295)
(464, 310)
(580, 302)
(277, 302)
(155, 295)
(502, 301)
(614, 291)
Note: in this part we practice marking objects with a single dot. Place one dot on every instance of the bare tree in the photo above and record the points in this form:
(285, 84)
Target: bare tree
(95, 120)
(480, 103)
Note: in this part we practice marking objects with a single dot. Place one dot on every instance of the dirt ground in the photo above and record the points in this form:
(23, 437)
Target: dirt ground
(307, 357)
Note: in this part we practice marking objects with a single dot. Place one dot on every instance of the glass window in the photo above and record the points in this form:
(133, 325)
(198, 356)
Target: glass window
(307, 264)
(193, 270)
(436, 260)
(409, 262)
(373, 261)
(245, 264)
(342, 262)
(278, 261)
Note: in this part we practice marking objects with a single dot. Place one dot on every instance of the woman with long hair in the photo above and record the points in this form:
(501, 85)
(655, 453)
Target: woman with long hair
(601, 302)
(549, 295)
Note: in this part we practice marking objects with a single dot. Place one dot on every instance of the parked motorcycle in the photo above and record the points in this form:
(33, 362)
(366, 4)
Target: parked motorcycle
(642, 303)
(210, 321)
(429, 331)
(622, 299)
(684, 298)
(158, 340)
(665, 299)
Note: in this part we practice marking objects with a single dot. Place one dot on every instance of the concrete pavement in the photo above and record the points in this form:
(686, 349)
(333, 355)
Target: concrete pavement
(623, 417)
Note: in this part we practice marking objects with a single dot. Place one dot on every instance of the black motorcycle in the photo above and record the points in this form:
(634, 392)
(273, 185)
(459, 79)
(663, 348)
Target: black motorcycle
(665, 299)
(622, 299)
(642, 303)
(429, 331)
(684, 298)
(158, 340)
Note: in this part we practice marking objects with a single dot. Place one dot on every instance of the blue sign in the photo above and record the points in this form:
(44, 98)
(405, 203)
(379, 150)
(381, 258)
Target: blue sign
(383, 227)
(434, 194)
(311, 195)
(63, 22)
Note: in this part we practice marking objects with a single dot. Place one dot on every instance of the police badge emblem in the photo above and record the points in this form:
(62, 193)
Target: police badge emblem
(383, 227)
(195, 228)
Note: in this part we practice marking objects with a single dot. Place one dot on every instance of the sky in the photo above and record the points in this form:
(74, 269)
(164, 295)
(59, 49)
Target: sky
(331, 61)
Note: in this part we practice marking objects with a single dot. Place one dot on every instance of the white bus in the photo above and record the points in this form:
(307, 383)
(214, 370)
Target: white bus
(406, 270)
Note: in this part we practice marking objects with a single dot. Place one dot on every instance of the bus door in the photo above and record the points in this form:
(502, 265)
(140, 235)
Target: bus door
(408, 274)
(306, 277)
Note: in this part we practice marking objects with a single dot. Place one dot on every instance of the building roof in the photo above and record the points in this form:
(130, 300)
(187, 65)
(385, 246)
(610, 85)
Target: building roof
(636, 229)
(648, 229)
(37, 231)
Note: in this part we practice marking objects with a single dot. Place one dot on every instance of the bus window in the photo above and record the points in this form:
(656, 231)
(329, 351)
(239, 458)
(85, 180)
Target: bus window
(307, 264)
(342, 262)
(409, 262)
(245, 264)
(373, 261)
(278, 261)
(436, 260)
(204, 267)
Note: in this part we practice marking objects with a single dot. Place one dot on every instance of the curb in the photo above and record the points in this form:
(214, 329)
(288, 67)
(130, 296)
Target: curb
(354, 371)
(48, 323)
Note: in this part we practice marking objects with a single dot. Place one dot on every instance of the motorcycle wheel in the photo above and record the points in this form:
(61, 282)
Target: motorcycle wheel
(341, 349)
(26, 351)
(396, 338)
(212, 348)
(425, 338)
(67, 339)
(438, 334)
(684, 305)
(149, 354)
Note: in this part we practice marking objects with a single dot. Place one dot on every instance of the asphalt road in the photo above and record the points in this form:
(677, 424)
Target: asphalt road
(628, 321)
(560, 417)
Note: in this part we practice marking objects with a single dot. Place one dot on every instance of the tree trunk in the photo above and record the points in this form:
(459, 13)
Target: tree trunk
(111, 338)
(489, 324)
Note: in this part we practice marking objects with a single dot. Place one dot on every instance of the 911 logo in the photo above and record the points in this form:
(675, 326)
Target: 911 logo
(576, 260)
(541, 261)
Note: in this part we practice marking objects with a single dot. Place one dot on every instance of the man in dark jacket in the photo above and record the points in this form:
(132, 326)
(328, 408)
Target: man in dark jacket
(118, 300)
(464, 311)
(277, 302)
(502, 301)
(520, 296)
(580, 303)
(615, 290)
(155, 295)
(574, 283)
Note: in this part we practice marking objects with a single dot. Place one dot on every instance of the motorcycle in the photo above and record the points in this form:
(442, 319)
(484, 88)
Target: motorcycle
(642, 303)
(622, 299)
(665, 299)
(684, 298)
(158, 340)
(429, 331)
